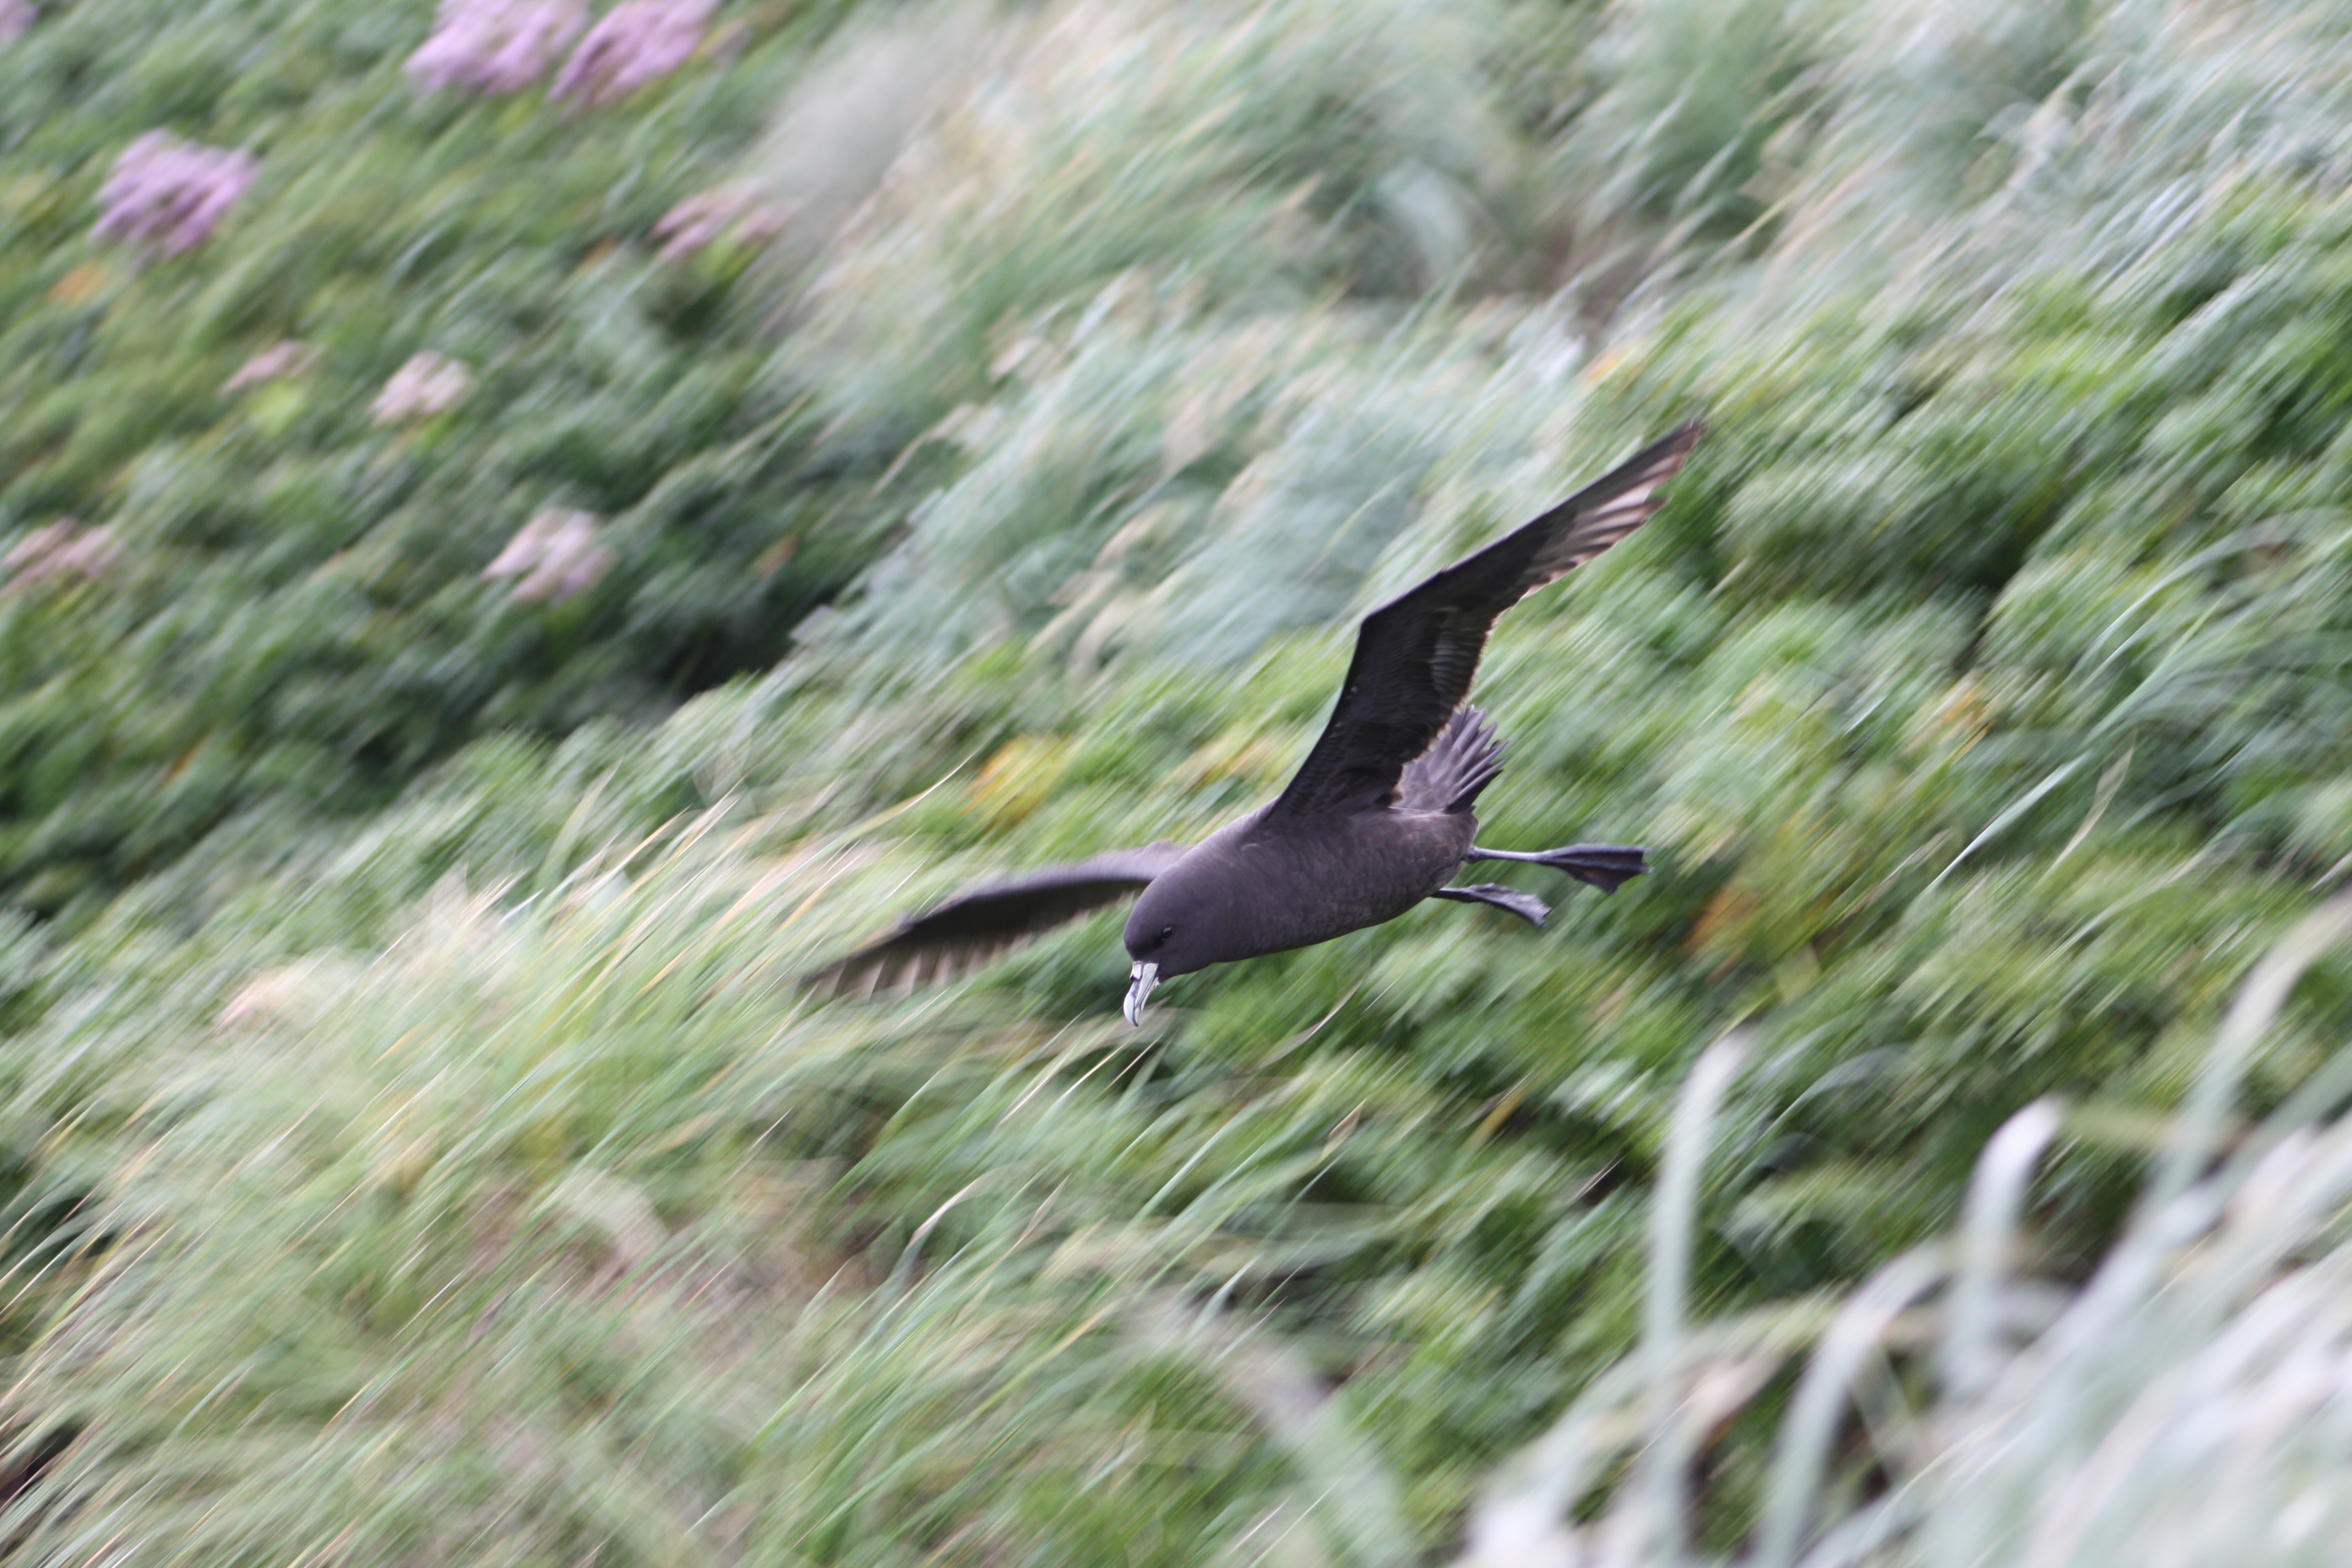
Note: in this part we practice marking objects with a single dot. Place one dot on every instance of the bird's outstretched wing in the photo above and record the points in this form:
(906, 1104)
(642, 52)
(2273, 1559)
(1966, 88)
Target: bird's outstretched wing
(981, 922)
(1416, 653)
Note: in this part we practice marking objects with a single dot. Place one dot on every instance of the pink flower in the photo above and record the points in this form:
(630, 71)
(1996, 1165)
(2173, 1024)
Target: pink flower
(427, 385)
(168, 194)
(280, 359)
(17, 19)
(556, 554)
(494, 46)
(638, 41)
(64, 547)
(700, 219)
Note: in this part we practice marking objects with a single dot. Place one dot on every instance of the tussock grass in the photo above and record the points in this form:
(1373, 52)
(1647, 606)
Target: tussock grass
(2184, 1403)
(1980, 697)
(529, 1238)
(1261, 155)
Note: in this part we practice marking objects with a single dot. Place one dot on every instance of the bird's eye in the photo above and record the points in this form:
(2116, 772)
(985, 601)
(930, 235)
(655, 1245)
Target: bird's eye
(1167, 931)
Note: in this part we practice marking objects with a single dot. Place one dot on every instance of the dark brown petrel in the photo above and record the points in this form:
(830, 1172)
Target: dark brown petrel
(1378, 818)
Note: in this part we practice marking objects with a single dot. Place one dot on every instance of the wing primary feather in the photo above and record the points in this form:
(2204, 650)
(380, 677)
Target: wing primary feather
(979, 922)
(1416, 655)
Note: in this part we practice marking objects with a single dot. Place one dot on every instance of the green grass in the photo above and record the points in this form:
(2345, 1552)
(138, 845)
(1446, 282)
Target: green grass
(414, 1147)
(1957, 1407)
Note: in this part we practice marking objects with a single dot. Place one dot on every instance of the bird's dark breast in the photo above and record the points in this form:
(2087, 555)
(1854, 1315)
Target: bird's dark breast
(1348, 872)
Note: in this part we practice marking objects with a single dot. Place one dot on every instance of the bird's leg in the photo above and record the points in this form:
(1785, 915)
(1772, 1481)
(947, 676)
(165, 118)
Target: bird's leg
(1607, 866)
(1526, 906)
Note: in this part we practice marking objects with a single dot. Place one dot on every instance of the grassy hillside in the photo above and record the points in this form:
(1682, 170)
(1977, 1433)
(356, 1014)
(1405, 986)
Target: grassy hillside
(416, 1146)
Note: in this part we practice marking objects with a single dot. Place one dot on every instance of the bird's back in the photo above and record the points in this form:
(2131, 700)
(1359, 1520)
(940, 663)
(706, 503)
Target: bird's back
(1323, 877)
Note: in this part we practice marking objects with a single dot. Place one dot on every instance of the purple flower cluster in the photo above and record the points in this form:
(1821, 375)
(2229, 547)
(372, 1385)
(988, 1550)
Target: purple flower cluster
(638, 41)
(556, 554)
(280, 359)
(495, 46)
(427, 385)
(737, 206)
(168, 194)
(17, 19)
(62, 549)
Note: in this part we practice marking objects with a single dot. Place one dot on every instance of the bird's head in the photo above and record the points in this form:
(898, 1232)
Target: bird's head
(1180, 924)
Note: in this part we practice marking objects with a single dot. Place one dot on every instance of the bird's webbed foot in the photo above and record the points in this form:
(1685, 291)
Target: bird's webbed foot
(1526, 906)
(1607, 866)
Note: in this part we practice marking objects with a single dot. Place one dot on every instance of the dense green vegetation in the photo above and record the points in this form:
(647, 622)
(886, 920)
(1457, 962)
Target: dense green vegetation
(417, 1148)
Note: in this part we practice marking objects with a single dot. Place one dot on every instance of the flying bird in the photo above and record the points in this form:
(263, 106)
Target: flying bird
(1380, 816)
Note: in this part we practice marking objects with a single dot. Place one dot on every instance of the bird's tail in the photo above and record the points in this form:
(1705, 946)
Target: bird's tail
(1464, 759)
